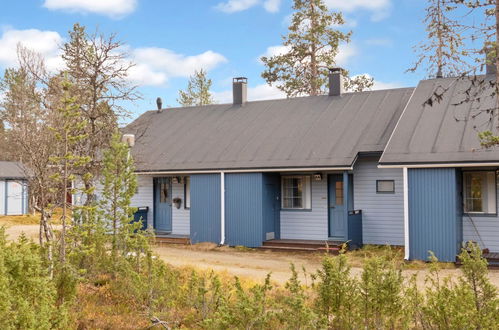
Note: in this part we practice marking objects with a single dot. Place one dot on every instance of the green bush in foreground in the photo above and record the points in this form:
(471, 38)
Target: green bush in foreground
(28, 296)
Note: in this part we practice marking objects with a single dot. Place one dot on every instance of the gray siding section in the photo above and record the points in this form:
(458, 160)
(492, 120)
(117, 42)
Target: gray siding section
(382, 214)
(205, 208)
(181, 216)
(145, 196)
(434, 218)
(484, 230)
(308, 224)
(243, 209)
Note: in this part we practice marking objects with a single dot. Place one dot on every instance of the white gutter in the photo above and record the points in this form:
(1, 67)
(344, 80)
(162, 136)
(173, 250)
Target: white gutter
(406, 214)
(308, 169)
(222, 208)
(442, 165)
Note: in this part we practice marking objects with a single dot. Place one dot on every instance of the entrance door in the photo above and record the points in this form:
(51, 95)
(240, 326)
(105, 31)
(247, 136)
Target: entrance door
(162, 205)
(272, 207)
(336, 206)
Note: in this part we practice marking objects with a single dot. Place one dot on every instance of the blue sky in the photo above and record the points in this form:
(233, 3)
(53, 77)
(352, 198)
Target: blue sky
(169, 39)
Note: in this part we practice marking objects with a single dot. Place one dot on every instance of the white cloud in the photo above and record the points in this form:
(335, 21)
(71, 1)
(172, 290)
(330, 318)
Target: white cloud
(156, 65)
(44, 42)
(382, 85)
(111, 8)
(257, 93)
(234, 6)
(345, 52)
(380, 8)
(272, 6)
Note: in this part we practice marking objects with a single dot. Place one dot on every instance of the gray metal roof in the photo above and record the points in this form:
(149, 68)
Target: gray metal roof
(445, 132)
(318, 131)
(11, 170)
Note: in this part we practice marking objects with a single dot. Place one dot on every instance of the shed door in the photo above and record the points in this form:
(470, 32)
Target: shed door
(15, 194)
(162, 205)
(336, 207)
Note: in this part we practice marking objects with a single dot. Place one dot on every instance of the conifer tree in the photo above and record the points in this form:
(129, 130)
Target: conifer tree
(312, 45)
(442, 53)
(198, 90)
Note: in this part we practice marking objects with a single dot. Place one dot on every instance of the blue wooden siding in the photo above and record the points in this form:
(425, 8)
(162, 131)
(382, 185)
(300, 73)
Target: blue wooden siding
(243, 209)
(205, 208)
(434, 218)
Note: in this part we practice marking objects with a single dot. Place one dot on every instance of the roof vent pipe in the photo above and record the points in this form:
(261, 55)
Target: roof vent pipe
(335, 82)
(239, 90)
(159, 103)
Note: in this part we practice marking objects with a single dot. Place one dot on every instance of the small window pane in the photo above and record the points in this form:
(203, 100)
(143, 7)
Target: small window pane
(339, 192)
(385, 186)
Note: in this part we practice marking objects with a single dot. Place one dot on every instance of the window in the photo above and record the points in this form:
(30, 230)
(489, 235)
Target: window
(385, 186)
(339, 192)
(296, 192)
(187, 192)
(479, 192)
(164, 196)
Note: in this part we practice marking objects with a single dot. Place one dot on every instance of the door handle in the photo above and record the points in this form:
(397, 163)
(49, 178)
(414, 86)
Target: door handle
(332, 207)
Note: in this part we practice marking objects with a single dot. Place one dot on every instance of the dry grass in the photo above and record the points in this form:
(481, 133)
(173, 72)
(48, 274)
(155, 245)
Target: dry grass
(97, 307)
(28, 219)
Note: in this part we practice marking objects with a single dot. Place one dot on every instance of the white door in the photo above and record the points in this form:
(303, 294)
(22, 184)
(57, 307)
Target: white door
(2, 197)
(14, 198)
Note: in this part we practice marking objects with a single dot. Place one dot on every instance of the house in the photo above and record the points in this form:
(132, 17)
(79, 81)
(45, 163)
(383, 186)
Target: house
(13, 189)
(374, 167)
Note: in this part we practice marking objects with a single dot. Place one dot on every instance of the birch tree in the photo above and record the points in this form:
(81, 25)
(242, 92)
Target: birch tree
(311, 47)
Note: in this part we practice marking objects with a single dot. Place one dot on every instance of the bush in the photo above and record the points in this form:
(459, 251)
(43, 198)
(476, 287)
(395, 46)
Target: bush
(28, 296)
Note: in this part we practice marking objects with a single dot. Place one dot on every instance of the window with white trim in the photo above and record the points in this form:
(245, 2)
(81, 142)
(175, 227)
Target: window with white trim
(296, 192)
(479, 192)
(187, 192)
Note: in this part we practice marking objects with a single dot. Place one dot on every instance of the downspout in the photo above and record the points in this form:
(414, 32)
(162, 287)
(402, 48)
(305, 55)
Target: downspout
(406, 214)
(222, 208)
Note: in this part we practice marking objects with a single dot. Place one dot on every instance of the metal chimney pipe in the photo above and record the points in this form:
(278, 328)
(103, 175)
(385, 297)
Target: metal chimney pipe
(335, 82)
(239, 90)
(159, 103)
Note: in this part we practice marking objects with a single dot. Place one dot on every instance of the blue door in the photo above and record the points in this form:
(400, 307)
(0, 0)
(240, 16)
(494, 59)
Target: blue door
(336, 206)
(162, 205)
(272, 210)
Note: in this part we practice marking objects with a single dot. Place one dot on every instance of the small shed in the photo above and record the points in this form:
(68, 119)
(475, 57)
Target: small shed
(13, 189)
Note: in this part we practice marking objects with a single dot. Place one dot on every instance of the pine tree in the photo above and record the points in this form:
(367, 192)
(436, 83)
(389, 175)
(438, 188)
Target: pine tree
(312, 44)
(119, 184)
(442, 53)
(197, 92)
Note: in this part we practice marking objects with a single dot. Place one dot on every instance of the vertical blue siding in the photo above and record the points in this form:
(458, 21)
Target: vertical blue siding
(205, 208)
(434, 221)
(243, 209)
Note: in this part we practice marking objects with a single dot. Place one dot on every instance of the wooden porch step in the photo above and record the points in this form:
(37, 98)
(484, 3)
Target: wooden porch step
(301, 245)
(162, 240)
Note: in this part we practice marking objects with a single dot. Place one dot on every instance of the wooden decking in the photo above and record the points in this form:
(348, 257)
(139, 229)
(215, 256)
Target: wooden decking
(492, 259)
(165, 239)
(298, 245)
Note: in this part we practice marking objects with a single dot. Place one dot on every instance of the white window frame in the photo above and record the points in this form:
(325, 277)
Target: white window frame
(489, 192)
(306, 196)
(187, 192)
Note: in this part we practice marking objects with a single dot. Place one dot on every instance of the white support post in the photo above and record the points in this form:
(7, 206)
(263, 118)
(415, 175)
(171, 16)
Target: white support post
(406, 214)
(222, 208)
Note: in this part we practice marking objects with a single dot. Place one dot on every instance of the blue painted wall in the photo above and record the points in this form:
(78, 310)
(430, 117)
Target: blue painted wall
(435, 223)
(243, 209)
(205, 208)
(252, 208)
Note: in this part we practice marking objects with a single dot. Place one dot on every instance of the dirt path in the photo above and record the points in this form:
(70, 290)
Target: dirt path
(255, 265)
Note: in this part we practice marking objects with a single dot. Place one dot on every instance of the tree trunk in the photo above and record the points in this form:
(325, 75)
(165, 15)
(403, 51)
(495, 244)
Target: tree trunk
(313, 55)
(64, 196)
(440, 40)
